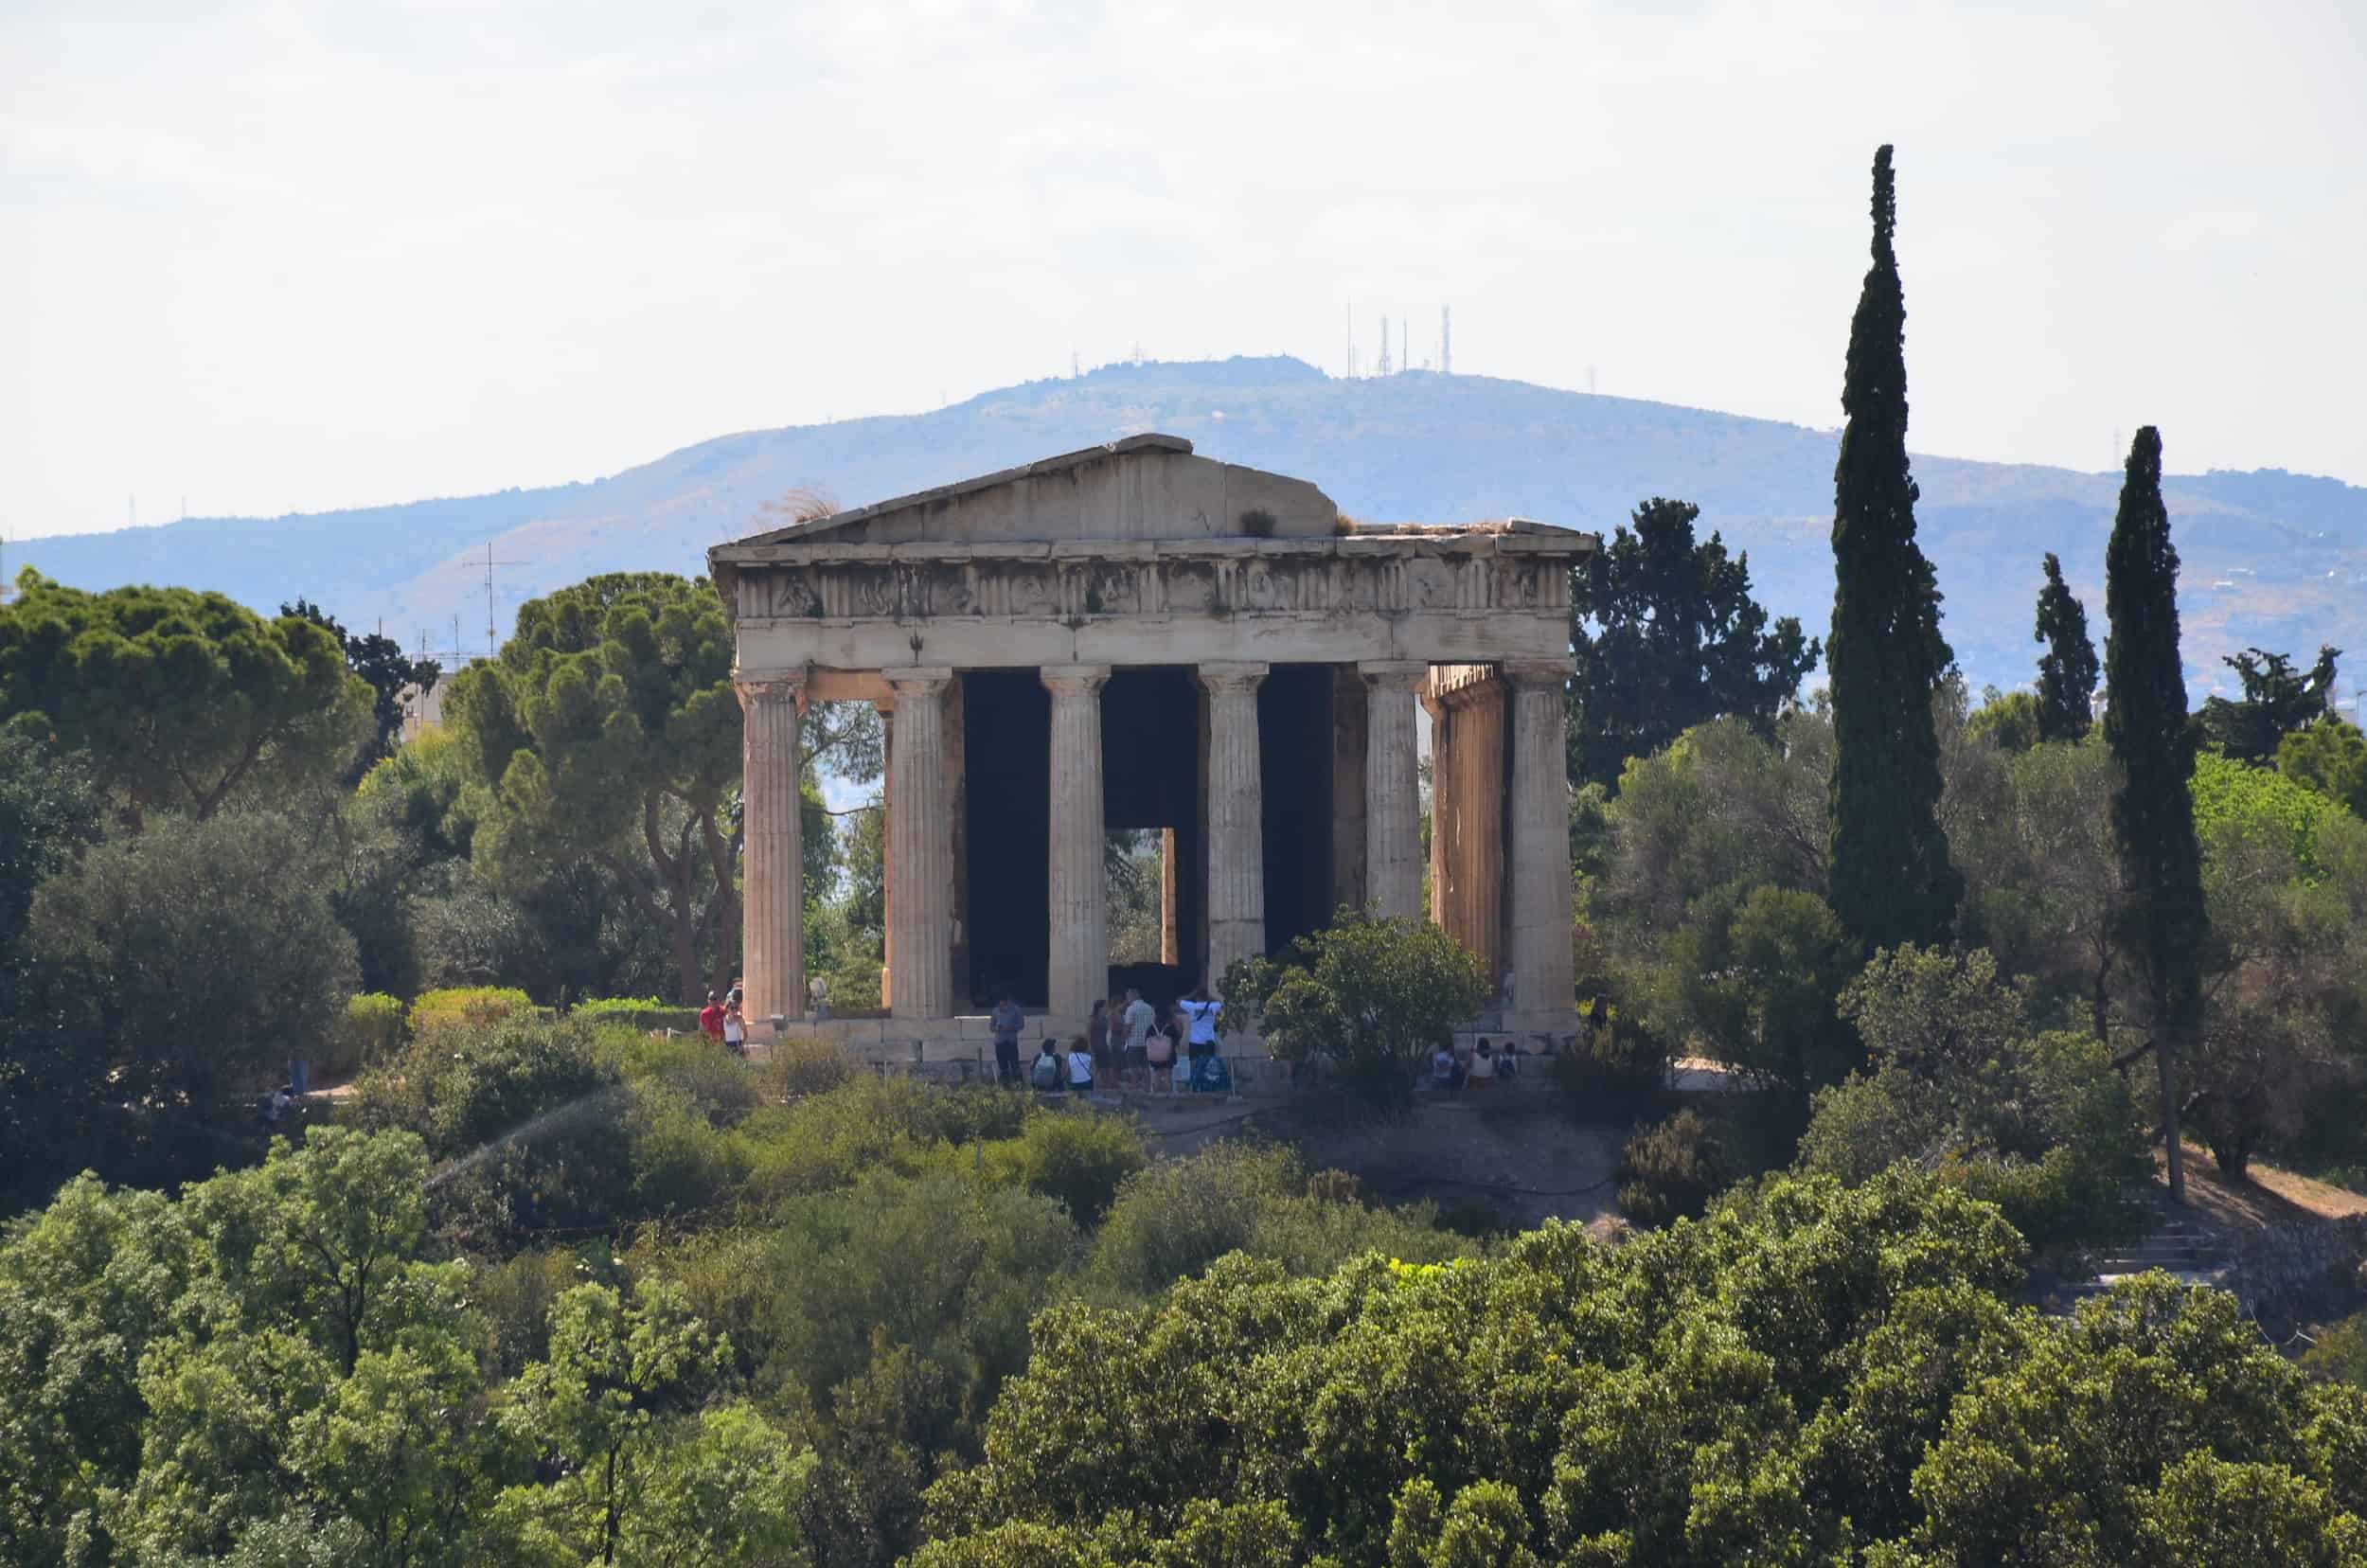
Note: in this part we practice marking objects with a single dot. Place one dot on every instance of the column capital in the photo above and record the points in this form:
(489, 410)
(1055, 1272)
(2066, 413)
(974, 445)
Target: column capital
(1395, 674)
(753, 688)
(1537, 672)
(1231, 677)
(919, 681)
(1073, 677)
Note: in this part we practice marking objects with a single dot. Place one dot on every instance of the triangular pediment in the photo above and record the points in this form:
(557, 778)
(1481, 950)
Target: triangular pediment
(1148, 487)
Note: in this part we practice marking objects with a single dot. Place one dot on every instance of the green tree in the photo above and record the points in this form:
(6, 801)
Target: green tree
(2329, 757)
(384, 666)
(1666, 636)
(2278, 701)
(2013, 721)
(181, 699)
(2153, 812)
(607, 730)
(2068, 668)
(1749, 978)
(192, 958)
(624, 1374)
(1372, 996)
(1891, 881)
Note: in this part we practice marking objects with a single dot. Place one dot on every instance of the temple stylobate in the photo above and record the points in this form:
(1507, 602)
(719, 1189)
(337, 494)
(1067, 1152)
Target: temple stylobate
(1136, 636)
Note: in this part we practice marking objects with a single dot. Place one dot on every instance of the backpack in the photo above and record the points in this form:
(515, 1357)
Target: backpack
(1046, 1073)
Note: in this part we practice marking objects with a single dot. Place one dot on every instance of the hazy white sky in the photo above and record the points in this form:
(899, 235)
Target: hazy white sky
(287, 256)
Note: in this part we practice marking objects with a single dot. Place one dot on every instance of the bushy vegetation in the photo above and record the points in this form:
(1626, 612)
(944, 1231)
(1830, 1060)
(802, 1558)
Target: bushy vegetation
(1810, 1373)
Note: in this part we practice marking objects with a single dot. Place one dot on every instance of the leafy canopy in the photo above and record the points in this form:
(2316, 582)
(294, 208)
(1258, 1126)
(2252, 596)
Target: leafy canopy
(180, 698)
(1666, 636)
(608, 729)
(2329, 757)
(2278, 701)
(1372, 996)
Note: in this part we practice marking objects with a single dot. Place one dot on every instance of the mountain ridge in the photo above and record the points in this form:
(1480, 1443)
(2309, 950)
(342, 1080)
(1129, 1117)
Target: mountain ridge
(2272, 558)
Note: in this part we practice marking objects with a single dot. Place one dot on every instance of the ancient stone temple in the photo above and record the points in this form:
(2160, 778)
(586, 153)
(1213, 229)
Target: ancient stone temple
(1135, 637)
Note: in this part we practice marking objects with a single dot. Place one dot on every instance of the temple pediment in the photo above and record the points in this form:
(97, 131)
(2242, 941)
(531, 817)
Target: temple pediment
(1147, 488)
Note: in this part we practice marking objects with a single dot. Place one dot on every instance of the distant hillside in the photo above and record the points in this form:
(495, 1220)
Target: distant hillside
(2271, 557)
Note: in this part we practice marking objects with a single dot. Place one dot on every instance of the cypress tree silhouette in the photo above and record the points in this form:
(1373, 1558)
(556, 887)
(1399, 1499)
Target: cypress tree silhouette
(2153, 814)
(1891, 881)
(2067, 670)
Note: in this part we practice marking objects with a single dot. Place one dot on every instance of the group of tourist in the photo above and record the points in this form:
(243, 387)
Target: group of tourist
(723, 1021)
(1454, 1068)
(1127, 1043)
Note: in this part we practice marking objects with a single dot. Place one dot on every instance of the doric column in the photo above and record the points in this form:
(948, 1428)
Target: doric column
(1392, 806)
(1237, 818)
(921, 850)
(1441, 800)
(1170, 908)
(1540, 837)
(773, 914)
(1080, 910)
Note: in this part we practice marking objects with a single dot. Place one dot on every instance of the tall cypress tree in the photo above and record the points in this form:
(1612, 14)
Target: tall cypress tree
(2067, 670)
(1891, 876)
(2153, 814)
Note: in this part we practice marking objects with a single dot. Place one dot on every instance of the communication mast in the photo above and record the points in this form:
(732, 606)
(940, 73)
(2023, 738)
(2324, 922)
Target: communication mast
(491, 633)
(1446, 340)
(1382, 369)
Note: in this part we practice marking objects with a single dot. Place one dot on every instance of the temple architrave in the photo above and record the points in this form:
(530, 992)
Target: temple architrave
(1135, 637)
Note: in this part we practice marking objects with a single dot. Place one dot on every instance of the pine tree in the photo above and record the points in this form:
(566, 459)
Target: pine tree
(1666, 636)
(2067, 670)
(1891, 881)
(2153, 812)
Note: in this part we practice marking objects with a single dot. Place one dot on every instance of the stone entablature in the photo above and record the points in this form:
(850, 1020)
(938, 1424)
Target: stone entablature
(1256, 624)
(1441, 596)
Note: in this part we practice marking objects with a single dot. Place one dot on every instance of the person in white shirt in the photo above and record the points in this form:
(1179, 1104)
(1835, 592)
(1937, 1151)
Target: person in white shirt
(735, 1027)
(1483, 1066)
(1200, 1014)
(1080, 1066)
(1135, 1022)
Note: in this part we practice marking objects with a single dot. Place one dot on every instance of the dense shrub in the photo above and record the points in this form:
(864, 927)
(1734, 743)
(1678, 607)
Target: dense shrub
(1615, 1069)
(639, 1012)
(370, 1031)
(2040, 1124)
(469, 1004)
(1175, 1218)
(1077, 1159)
(1672, 1168)
(1809, 1374)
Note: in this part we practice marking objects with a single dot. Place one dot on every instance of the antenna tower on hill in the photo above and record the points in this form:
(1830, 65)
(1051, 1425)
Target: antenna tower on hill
(491, 633)
(1446, 340)
(1382, 369)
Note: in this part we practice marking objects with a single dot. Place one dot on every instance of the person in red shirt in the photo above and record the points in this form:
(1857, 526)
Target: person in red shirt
(711, 1019)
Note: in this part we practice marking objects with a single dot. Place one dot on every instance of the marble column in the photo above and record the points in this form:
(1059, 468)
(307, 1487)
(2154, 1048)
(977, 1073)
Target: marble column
(1080, 889)
(1237, 818)
(1393, 805)
(1441, 801)
(1170, 906)
(921, 850)
(773, 914)
(1540, 837)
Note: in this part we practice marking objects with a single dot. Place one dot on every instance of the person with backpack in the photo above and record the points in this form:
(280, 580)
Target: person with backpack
(1159, 1049)
(1048, 1070)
